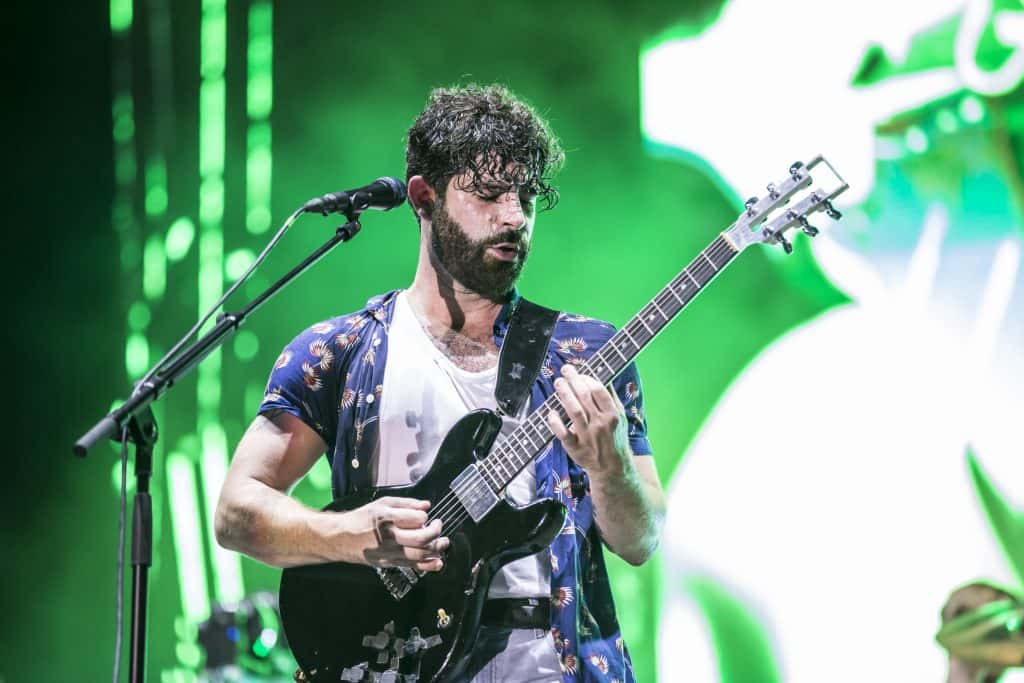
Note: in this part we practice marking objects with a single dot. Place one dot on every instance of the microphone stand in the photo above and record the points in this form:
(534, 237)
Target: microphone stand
(136, 415)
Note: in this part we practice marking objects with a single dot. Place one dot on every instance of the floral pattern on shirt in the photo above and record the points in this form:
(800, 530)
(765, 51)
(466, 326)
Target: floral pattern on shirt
(331, 377)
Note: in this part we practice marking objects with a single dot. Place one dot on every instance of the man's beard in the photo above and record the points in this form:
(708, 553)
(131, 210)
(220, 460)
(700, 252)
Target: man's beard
(467, 260)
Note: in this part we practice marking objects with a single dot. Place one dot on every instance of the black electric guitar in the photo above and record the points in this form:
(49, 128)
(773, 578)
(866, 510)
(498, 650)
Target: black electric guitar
(347, 622)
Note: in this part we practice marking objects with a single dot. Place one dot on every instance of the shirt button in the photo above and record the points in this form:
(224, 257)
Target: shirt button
(369, 398)
(355, 463)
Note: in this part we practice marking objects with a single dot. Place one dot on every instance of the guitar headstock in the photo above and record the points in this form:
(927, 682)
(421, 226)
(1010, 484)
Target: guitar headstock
(788, 204)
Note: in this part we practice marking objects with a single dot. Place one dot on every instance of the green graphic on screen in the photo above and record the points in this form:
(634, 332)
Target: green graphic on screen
(829, 496)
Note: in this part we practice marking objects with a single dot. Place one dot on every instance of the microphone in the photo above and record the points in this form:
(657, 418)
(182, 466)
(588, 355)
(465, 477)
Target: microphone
(383, 193)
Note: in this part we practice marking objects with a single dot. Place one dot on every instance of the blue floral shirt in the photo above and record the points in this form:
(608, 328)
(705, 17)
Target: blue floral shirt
(331, 377)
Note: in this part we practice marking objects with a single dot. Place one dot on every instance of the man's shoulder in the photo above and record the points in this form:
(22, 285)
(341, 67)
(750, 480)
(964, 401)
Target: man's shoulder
(345, 329)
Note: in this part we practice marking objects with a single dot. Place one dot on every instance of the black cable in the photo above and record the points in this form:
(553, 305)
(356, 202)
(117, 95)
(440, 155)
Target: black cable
(119, 620)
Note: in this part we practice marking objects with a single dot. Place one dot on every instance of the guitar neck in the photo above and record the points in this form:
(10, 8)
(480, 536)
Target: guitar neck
(514, 453)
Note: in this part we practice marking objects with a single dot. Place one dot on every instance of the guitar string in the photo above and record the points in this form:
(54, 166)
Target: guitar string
(462, 515)
(636, 326)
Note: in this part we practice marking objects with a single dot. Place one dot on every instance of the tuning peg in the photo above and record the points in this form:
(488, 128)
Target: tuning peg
(832, 212)
(749, 205)
(795, 167)
(772, 192)
(786, 246)
(808, 229)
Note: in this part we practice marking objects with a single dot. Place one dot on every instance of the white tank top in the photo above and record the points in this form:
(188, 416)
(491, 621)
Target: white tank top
(423, 396)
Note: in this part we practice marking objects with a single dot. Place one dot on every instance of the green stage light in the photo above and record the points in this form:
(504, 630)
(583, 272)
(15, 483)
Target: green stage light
(237, 263)
(154, 268)
(227, 573)
(124, 120)
(180, 236)
(120, 15)
(138, 316)
(251, 399)
(124, 168)
(136, 355)
(189, 552)
(247, 345)
(156, 187)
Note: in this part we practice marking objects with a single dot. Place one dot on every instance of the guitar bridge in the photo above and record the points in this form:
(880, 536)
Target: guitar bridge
(398, 580)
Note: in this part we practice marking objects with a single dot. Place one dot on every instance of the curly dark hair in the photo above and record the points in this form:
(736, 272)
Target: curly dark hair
(488, 132)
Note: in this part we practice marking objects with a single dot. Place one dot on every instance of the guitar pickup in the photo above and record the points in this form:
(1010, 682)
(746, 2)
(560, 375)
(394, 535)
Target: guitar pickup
(474, 493)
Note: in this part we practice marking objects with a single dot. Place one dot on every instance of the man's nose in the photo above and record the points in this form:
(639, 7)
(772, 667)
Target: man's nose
(512, 214)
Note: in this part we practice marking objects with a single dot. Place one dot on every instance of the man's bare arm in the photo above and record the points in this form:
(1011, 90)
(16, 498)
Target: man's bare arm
(629, 504)
(629, 509)
(256, 516)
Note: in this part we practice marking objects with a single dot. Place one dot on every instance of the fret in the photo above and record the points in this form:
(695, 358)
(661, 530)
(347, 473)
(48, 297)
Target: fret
(517, 462)
(673, 291)
(488, 474)
(542, 436)
(709, 261)
(630, 337)
(534, 445)
(723, 255)
(542, 430)
(497, 476)
(556, 405)
(526, 435)
(598, 373)
(611, 343)
(501, 464)
(515, 436)
(520, 447)
(654, 303)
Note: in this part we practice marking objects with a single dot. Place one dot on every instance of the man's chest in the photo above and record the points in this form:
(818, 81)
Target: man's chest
(467, 354)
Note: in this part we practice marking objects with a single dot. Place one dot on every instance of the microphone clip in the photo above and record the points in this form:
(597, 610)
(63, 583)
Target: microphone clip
(339, 202)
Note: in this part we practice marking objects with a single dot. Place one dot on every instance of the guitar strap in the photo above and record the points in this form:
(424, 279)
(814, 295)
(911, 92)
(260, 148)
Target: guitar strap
(522, 354)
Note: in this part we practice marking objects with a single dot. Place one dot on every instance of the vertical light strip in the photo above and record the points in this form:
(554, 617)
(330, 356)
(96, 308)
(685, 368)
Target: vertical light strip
(154, 267)
(227, 574)
(195, 596)
(120, 16)
(227, 569)
(259, 98)
(212, 55)
(122, 110)
(156, 186)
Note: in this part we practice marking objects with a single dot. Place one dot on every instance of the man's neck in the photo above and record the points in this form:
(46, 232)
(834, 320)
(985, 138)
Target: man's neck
(443, 304)
(442, 307)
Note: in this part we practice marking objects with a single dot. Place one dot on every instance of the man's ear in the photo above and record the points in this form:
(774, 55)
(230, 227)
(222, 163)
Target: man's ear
(422, 196)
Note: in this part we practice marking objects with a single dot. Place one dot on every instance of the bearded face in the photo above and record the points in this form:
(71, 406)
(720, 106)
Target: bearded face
(474, 263)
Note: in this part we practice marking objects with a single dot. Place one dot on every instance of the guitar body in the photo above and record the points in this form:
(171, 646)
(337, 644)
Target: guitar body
(343, 622)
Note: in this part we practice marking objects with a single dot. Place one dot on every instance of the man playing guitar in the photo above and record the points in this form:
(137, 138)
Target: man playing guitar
(377, 390)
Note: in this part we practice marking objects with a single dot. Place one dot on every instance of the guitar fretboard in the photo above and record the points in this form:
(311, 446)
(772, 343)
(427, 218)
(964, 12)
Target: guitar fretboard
(514, 453)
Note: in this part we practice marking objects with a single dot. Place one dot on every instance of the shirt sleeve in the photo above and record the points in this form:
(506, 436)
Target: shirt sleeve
(304, 380)
(627, 386)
